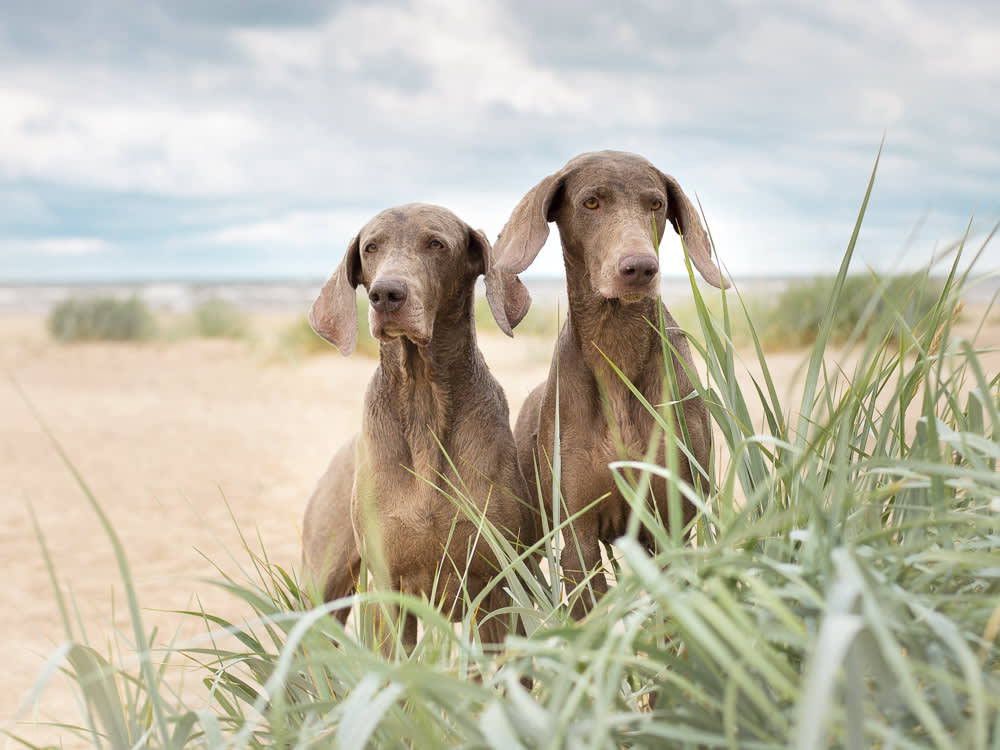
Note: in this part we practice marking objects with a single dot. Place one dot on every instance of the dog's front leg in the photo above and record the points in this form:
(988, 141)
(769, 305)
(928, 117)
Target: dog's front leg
(581, 565)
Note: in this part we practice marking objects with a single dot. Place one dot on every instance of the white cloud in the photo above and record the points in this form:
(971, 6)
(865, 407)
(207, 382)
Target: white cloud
(468, 64)
(167, 148)
(299, 229)
(55, 246)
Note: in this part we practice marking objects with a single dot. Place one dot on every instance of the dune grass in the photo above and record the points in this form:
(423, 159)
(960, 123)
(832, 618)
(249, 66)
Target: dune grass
(542, 319)
(219, 318)
(113, 319)
(866, 304)
(101, 318)
(298, 339)
(842, 590)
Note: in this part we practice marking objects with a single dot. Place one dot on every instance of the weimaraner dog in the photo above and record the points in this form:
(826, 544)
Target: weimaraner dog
(435, 422)
(611, 209)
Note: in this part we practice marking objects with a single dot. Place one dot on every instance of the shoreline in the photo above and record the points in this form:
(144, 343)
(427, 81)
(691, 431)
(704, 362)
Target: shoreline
(290, 295)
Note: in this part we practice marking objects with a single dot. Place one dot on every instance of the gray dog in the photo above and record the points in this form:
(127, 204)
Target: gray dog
(431, 395)
(611, 209)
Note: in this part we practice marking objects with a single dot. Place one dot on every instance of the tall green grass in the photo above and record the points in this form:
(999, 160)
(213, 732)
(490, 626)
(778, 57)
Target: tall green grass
(842, 590)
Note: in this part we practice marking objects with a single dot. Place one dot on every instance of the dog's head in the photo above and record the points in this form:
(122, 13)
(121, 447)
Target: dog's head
(611, 209)
(415, 261)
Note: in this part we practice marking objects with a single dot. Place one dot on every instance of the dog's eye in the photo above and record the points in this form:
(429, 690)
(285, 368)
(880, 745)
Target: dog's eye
(656, 205)
(435, 244)
(591, 203)
(370, 247)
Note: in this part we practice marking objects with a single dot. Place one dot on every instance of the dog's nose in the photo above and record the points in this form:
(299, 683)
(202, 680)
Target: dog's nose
(638, 270)
(387, 295)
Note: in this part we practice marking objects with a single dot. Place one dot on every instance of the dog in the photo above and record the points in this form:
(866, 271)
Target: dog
(435, 422)
(611, 209)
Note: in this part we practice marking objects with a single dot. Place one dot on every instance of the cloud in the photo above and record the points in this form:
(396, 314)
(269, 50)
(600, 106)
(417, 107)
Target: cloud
(20, 207)
(55, 246)
(70, 246)
(114, 146)
(299, 229)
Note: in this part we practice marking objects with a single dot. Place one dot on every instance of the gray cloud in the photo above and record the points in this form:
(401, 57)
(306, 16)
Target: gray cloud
(203, 121)
(154, 34)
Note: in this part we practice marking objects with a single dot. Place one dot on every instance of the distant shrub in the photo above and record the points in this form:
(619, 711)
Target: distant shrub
(217, 318)
(101, 318)
(868, 305)
(541, 320)
(298, 339)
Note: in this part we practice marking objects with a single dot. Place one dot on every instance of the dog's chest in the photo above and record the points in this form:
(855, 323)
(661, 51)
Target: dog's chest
(415, 520)
(596, 482)
(417, 509)
(621, 428)
(410, 480)
(421, 468)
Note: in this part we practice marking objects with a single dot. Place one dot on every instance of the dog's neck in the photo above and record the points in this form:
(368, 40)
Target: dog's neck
(424, 385)
(610, 329)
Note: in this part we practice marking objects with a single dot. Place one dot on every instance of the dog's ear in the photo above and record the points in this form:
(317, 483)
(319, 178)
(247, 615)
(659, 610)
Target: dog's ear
(508, 297)
(526, 230)
(682, 214)
(334, 314)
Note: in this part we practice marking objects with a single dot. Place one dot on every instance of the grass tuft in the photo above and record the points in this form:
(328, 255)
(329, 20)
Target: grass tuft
(219, 318)
(866, 306)
(541, 319)
(101, 318)
(298, 339)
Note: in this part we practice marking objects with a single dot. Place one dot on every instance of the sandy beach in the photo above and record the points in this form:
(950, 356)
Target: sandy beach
(180, 442)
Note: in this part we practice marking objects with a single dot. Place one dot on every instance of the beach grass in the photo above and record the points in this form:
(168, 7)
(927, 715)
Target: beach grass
(101, 318)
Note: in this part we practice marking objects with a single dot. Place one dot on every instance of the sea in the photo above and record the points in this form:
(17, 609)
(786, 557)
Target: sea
(296, 295)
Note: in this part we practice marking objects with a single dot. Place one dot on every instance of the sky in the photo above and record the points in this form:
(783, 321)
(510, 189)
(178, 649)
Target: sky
(251, 139)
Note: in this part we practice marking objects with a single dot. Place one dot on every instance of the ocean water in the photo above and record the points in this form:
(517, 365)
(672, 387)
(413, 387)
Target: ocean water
(297, 295)
(166, 296)
(279, 296)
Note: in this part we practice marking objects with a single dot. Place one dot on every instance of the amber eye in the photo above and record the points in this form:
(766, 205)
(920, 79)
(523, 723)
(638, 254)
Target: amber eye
(591, 203)
(370, 247)
(436, 244)
(657, 204)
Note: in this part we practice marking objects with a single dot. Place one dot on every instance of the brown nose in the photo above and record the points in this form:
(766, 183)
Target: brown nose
(387, 295)
(638, 270)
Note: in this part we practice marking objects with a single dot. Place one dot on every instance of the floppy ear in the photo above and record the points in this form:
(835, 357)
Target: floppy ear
(684, 217)
(334, 314)
(528, 226)
(508, 298)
